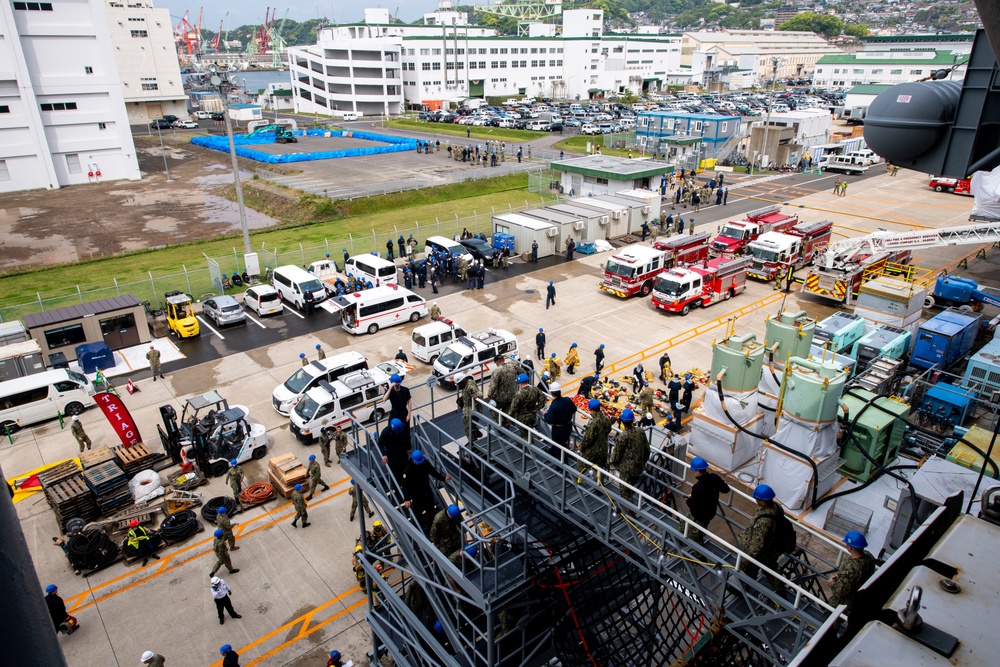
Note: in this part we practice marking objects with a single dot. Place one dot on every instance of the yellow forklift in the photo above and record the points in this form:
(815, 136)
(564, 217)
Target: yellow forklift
(180, 315)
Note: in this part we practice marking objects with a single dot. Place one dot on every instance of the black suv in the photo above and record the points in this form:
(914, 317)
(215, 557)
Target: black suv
(160, 124)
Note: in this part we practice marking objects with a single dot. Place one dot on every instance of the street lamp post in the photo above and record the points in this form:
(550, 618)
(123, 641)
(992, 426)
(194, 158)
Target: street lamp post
(223, 85)
(775, 61)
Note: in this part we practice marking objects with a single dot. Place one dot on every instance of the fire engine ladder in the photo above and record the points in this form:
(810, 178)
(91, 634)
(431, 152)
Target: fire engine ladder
(843, 252)
(761, 212)
(735, 266)
(654, 537)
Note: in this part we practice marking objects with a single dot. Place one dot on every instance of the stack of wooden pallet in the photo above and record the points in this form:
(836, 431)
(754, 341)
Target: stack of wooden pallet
(110, 485)
(285, 472)
(134, 459)
(67, 494)
(96, 456)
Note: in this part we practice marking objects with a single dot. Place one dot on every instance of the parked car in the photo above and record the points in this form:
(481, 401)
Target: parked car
(555, 126)
(572, 122)
(202, 115)
(170, 118)
(393, 367)
(160, 124)
(942, 184)
(223, 310)
(478, 248)
(263, 300)
(218, 115)
(185, 124)
(589, 128)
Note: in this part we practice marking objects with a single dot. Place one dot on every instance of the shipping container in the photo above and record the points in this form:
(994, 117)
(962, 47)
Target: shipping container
(526, 230)
(617, 212)
(595, 223)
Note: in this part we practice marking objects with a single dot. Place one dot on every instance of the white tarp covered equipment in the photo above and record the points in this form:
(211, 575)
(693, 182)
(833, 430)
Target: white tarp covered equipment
(985, 188)
(145, 486)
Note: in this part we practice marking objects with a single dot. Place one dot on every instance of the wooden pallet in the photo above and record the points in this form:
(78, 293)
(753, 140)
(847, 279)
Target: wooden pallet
(94, 457)
(71, 499)
(56, 474)
(286, 471)
(105, 477)
(134, 459)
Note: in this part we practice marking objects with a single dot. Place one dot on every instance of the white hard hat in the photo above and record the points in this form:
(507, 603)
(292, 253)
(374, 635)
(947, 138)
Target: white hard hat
(216, 580)
(649, 415)
(148, 655)
(75, 418)
(555, 386)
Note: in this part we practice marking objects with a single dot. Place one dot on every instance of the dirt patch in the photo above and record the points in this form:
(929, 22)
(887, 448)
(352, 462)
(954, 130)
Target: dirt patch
(51, 226)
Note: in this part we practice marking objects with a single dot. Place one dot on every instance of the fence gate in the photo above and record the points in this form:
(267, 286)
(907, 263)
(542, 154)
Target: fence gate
(215, 273)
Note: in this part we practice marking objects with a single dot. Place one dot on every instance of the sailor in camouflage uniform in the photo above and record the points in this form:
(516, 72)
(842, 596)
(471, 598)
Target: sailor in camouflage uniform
(504, 383)
(594, 443)
(855, 571)
(631, 454)
(758, 540)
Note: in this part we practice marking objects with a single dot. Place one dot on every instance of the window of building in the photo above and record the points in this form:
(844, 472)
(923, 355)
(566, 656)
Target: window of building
(896, 71)
(4, 108)
(482, 51)
(102, 126)
(58, 106)
(877, 71)
(496, 65)
(513, 63)
(425, 52)
(436, 66)
(150, 86)
(34, 6)
(493, 51)
(425, 67)
(461, 65)
(859, 71)
(136, 19)
(473, 64)
(139, 33)
(449, 65)
(836, 71)
(482, 64)
(916, 72)
(819, 70)
(449, 52)
(461, 52)
(534, 49)
(435, 52)
(504, 50)
(88, 70)
(696, 126)
(543, 50)
(524, 63)
(409, 52)
(723, 127)
(534, 63)
(558, 63)
(73, 163)
(4, 173)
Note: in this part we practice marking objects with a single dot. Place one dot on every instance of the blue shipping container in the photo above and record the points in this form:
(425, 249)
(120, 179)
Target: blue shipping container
(944, 339)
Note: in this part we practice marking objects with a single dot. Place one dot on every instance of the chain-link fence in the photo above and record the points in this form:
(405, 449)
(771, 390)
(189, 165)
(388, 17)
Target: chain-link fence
(204, 281)
(544, 182)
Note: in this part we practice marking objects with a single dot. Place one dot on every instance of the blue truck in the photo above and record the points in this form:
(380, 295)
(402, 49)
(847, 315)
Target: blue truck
(955, 291)
(945, 339)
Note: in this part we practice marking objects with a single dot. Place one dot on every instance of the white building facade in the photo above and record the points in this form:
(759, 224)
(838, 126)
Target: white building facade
(62, 112)
(886, 67)
(143, 42)
(753, 51)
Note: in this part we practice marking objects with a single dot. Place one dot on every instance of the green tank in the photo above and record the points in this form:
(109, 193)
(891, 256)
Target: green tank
(812, 389)
(741, 357)
(878, 433)
(792, 332)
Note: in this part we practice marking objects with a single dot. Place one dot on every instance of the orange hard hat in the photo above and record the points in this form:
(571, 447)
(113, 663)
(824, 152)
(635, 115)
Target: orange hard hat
(133, 523)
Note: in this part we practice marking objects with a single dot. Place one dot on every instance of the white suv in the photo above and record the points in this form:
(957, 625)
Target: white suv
(589, 128)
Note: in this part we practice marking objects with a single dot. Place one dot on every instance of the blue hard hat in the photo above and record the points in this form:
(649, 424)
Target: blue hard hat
(396, 425)
(232, 463)
(594, 404)
(318, 346)
(395, 379)
(352, 480)
(218, 532)
(471, 551)
(51, 588)
(222, 510)
(540, 330)
(602, 346)
(302, 355)
(573, 345)
(438, 627)
(627, 415)
(454, 512)
(335, 655)
(855, 539)
(763, 492)
(417, 456)
(225, 648)
(698, 463)
(552, 356)
(298, 487)
(312, 457)
(522, 378)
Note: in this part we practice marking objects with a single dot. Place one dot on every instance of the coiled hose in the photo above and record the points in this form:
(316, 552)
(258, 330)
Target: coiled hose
(91, 550)
(257, 493)
(155, 541)
(211, 508)
(179, 526)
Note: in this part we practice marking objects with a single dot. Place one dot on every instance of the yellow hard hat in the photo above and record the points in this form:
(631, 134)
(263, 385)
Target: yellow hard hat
(376, 524)
(357, 548)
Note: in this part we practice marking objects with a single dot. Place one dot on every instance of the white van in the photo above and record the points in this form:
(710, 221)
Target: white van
(357, 395)
(303, 379)
(537, 125)
(372, 268)
(428, 340)
(35, 398)
(292, 284)
(373, 309)
(865, 155)
(474, 354)
(445, 244)
(349, 116)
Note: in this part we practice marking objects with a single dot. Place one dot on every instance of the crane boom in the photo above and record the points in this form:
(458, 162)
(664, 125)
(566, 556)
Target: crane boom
(843, 252)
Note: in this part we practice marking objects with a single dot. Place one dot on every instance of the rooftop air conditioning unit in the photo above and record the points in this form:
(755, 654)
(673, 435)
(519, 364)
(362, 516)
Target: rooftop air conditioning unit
(616, 215)
(603, 220)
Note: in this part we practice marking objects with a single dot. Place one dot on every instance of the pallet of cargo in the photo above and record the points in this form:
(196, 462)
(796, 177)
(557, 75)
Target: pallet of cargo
(96, 456)
(287, 470)
(118, 557)
(134, 459)
(104, 477)
(71, 499)
(58, 473)
(279, 486)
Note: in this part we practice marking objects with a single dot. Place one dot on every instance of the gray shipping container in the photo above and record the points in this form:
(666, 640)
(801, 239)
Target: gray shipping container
(526, 230)
(595, 223)
(569, 226)
(617, 212)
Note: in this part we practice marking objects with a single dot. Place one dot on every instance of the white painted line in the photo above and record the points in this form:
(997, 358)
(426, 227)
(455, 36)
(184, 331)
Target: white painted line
(205, 324)
(261, 325)
(289, 309)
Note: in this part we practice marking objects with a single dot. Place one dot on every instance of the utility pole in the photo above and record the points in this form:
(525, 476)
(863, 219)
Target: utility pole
(775, 61)
(224, 84)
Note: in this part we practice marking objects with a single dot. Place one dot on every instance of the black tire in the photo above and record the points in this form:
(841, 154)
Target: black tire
(415, 316)
(433, 359)
(728, 295)
(686, 309)
(74, 408)
(217, 469)
(378, 415)
(9, 427)
(646, 288)
(938, 188)
(372, 328)
(259, 453)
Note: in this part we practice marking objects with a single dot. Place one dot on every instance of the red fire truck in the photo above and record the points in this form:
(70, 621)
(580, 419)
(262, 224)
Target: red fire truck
(714, 280)
(734, 237)
(631, 270)
(684, 249)
(775, 252)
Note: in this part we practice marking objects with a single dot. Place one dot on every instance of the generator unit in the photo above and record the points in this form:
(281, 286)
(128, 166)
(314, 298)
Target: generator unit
(841, 330)
(983, 372)
(944, 339)
(877, 433)
(885, 341)
(947, 405)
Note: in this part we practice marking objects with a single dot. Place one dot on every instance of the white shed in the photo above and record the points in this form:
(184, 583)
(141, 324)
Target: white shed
(595, 223)
(650, 200)
(569, 226)
(525, 230)
(617, 212)
(638, 211)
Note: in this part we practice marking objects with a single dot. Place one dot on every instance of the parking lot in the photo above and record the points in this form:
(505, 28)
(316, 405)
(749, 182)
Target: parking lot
(295, 589)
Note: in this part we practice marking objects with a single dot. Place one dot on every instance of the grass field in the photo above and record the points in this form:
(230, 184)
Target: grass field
(578, 144)
(370, 222)
(459, 130)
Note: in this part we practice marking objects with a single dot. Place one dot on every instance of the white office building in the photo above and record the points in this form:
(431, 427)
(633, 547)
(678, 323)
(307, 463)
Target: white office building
(753, 51)
(62, 113)
(374, 67)
(886, 67)
(143, 41)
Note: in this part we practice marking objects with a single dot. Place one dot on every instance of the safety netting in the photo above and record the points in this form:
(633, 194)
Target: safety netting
(244, 143)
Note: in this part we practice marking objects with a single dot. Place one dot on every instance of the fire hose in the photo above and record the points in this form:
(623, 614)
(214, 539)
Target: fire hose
(211, 508)
(155, 541)
(91, 550)
(257, 493)
(178, 526)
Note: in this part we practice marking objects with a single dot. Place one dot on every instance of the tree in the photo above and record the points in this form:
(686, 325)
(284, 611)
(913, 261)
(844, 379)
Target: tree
(856, 30)
(823, 24)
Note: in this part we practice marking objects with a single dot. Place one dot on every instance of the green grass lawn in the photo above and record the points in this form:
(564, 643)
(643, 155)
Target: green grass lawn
(369, 222)
(578, 144)
(497, 133)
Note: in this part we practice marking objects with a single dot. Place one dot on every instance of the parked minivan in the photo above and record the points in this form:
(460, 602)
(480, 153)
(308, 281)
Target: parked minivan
(292, 284)
(445, 244)
(474, 354)
(373, 309)
(428, 340)
(359, 395)
(303, 379)
(34, 398)
(372, 268)
(866, 155)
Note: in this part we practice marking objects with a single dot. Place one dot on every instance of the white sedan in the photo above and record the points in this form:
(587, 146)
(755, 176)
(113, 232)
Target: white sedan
(186, 124)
